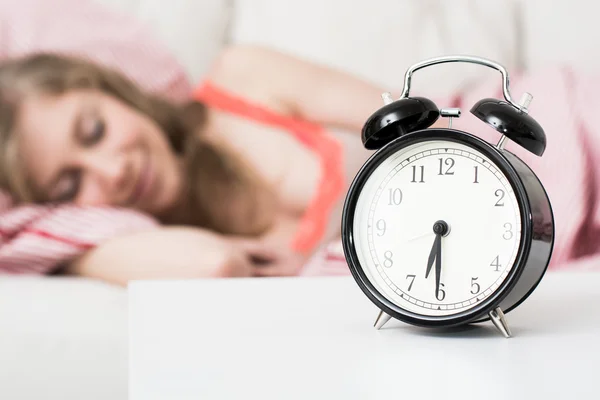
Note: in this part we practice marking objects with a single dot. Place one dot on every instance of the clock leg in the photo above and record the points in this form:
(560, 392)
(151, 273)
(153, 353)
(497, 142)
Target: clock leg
(382, 318)
(499, 321)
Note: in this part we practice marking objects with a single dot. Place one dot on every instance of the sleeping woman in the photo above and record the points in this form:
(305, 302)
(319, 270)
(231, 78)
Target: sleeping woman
(244, 177)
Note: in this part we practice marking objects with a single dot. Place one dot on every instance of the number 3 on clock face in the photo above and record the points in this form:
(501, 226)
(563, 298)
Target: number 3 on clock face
(403, 197)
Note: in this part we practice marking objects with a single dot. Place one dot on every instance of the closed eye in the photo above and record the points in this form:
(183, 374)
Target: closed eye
(88, 129)
(92, 131)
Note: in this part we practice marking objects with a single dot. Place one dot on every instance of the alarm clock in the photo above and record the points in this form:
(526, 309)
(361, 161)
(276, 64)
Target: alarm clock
(441, 228)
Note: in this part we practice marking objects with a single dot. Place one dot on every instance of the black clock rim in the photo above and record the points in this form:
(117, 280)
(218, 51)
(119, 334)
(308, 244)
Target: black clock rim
(492, 301)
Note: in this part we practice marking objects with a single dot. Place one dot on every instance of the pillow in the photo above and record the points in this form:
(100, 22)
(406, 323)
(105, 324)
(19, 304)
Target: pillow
(89, 29)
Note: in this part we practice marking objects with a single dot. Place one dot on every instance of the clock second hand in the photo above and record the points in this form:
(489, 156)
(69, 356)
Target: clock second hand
(419, 236)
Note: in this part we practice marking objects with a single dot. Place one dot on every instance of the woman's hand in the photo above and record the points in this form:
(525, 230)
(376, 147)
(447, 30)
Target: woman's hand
(267, 259)
(183, 253)
(164, 253)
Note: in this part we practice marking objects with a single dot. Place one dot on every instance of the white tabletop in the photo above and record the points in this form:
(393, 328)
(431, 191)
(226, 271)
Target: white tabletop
(313, 338)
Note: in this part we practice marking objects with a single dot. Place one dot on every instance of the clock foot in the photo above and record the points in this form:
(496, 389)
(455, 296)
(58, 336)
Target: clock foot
(499, 321)
(382, 318)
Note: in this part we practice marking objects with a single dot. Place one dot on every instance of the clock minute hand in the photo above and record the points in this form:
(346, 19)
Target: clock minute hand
(438, 264)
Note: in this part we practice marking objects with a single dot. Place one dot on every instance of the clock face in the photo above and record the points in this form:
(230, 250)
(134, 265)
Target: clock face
(458, 190)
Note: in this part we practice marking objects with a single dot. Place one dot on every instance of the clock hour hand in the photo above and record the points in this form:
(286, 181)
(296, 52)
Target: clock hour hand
(432, 254)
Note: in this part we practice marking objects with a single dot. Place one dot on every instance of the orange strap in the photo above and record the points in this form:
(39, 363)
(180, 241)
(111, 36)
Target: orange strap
(315, 219)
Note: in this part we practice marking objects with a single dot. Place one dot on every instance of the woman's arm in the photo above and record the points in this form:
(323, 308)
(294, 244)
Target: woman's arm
(165, 253)
(311, 91)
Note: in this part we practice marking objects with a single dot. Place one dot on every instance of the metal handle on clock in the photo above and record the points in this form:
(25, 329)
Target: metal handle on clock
(467, 59)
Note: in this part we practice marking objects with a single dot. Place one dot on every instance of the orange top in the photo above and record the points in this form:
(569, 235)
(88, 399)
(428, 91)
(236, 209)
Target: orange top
(314, 221)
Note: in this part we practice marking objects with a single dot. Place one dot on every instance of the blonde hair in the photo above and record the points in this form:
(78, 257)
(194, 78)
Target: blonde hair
(54, 74)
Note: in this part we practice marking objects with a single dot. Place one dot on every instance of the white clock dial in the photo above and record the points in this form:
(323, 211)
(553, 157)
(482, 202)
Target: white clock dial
(395, 213)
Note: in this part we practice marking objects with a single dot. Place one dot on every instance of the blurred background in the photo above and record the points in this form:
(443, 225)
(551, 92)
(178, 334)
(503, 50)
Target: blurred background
(379, 39)
(54, 348)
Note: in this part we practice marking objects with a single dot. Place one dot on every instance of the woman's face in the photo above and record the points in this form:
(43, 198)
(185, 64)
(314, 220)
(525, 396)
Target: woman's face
(89, 148)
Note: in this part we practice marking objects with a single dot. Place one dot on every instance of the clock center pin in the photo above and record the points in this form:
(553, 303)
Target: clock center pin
(441, 228)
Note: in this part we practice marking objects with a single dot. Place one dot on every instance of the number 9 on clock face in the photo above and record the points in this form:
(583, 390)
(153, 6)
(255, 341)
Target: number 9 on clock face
(436, 226)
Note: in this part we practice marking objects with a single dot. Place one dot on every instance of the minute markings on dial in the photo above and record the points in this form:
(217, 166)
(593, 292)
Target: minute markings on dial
(401, 165)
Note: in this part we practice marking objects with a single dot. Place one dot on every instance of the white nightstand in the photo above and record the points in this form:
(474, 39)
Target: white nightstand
(313, 338)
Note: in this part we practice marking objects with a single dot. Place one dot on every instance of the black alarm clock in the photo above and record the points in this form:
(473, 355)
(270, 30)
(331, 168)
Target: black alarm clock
(441, 228)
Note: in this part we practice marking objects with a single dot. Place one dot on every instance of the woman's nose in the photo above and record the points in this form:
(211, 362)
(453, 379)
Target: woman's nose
(113, 174)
